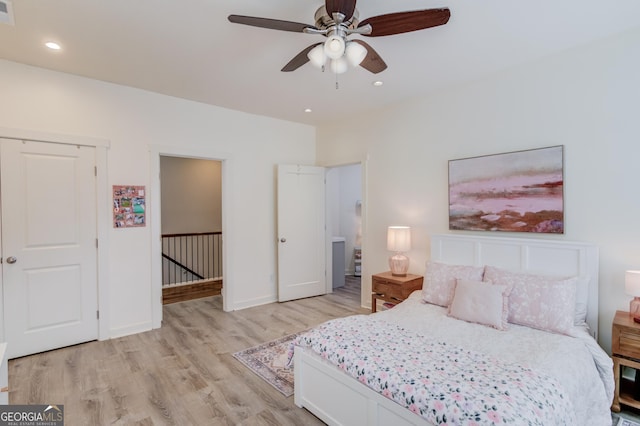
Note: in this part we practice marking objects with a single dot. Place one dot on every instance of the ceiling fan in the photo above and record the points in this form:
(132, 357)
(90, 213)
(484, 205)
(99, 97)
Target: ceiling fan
(338, 19)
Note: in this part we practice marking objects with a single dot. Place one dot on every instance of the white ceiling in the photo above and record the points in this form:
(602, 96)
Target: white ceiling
(188, 49)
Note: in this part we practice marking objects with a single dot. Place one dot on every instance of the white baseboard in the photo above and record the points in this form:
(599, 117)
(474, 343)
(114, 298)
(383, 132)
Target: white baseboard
(130, 329)
(250, 303)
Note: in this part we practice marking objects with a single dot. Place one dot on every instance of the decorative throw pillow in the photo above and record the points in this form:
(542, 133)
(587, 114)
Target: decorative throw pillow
(538, 301)
(481, 303)
(440, 281)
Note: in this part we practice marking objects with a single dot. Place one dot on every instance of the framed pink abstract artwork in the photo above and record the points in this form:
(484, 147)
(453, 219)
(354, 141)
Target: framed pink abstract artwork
(518, 191)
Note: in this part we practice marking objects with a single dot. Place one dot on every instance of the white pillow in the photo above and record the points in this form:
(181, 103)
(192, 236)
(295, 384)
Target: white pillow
(440, 281)
(582, 297)
(538, 301)
(480, 302)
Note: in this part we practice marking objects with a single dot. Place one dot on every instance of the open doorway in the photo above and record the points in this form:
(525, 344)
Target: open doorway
(191, 228)
(344, 220)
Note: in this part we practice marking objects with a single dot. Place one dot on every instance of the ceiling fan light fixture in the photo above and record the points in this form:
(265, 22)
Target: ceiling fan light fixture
(355, 53)
(339, 66)
(338, 19)
(334, 46)
(317, 57)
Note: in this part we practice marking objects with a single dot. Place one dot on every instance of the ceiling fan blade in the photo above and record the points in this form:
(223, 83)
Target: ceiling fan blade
(404, 22)
(299, 60)
(346, 7)
(273, 24)
(372, 62)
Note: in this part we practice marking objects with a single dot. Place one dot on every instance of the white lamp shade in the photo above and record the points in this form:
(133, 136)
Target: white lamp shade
(355, 53)
(317, 57)
(334, 47)
(339, 65)
(399, 238)
(632, 283)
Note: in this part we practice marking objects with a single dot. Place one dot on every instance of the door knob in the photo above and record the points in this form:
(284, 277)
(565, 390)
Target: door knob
(11, 259)
(283, 240)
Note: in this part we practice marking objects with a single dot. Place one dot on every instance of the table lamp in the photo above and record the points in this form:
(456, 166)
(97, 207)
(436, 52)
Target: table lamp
(399, 241)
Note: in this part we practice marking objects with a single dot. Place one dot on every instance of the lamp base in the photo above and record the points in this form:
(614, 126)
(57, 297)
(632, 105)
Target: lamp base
(399, 264)
(634, 309)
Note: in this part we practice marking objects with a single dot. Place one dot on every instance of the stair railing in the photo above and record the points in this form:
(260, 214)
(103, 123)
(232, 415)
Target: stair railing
(191, 258)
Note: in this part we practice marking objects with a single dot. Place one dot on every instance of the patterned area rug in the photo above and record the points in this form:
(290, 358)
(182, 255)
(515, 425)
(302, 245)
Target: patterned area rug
(269, 361)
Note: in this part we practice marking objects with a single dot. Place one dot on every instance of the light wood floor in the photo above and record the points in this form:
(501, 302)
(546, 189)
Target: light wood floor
(180, 374)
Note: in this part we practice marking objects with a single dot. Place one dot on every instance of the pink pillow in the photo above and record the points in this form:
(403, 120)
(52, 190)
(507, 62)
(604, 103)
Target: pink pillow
(538, 301)
(480, 302)
(440, 281)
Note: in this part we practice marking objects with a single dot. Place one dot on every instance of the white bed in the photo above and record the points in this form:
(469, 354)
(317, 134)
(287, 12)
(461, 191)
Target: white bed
(339, 399)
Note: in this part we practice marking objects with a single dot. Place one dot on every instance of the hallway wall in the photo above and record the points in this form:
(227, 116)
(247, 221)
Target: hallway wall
(191, 195)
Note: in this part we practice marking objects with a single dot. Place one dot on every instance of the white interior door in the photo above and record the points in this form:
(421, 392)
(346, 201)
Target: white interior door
(301, 232)
(49, 249)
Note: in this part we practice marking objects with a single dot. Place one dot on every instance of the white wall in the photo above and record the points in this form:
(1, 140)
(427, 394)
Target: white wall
(586, 99)
(133, 121)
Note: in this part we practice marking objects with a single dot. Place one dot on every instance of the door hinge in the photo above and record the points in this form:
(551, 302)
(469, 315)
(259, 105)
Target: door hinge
(97, 314)
(95, 170)
(96, 243)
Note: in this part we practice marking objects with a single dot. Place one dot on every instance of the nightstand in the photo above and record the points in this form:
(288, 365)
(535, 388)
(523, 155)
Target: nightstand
(625, 351)
(392, 289)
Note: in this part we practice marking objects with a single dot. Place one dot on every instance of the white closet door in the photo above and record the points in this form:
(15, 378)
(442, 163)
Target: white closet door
(49, 252)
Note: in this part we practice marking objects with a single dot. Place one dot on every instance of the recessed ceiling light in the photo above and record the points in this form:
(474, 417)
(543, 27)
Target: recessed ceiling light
(307, 110)
(377, 83)
(52, 45)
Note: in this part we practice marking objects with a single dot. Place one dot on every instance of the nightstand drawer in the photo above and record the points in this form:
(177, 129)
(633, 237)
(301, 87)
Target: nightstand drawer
(629, 343)
(384, 287)
(625, 336)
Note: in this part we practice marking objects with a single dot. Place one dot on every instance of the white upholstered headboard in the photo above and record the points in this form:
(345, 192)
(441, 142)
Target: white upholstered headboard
(549, 257)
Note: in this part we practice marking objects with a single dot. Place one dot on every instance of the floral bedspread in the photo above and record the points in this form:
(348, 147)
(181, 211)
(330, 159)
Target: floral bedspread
(444, 383)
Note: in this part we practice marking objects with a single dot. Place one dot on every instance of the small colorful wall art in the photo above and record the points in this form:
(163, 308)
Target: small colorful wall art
(516, 191)
(128, 206)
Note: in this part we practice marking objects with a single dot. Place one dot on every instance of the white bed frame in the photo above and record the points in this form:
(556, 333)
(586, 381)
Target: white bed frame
(339, 399)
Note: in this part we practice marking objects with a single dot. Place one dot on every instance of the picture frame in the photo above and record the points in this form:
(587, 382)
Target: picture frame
(519, 191)
(129, 206)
